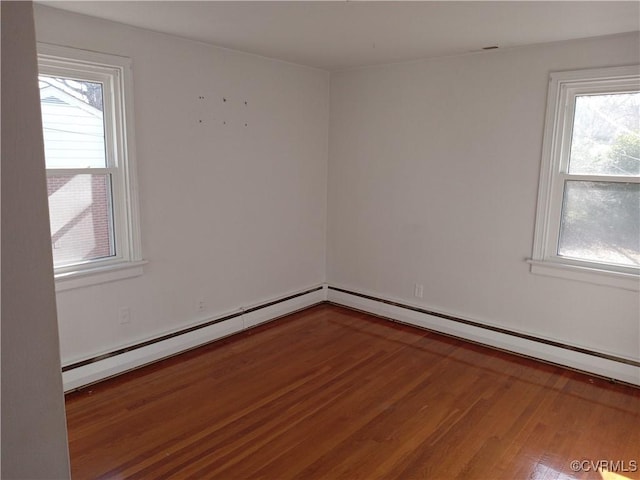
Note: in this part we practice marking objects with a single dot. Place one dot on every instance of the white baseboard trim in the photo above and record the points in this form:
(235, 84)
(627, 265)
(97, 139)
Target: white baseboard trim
(83, 373)
(590, 363)
(128, 358)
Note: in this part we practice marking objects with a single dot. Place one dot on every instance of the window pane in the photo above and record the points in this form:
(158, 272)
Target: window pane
(606, 135)
(81, 218)
(601, 222)
(73, 123)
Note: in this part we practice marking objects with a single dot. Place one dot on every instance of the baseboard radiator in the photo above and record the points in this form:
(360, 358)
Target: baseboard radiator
(588, 360)
(83, 372)
(90, 370)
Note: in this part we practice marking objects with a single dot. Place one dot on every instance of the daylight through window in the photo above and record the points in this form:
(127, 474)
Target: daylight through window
(78, 178)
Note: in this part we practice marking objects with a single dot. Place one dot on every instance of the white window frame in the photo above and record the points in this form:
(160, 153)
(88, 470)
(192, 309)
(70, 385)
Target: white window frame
(564, 87)
(115, 73)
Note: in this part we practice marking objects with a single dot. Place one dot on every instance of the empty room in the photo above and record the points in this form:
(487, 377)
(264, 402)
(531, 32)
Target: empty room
(320, 240)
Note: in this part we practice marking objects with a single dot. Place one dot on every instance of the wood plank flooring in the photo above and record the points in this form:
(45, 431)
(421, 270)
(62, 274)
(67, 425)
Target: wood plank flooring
(335, 394)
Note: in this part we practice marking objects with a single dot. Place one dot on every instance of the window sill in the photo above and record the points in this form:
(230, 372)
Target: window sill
(626, 281)
(95, 276)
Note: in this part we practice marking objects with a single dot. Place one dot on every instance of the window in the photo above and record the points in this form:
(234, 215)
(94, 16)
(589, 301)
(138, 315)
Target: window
(588, 219)
(85, 99)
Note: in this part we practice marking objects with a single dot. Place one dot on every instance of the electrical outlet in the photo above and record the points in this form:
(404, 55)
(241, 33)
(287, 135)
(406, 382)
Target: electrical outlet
(418, 290)
(201, 306)
(124, 315)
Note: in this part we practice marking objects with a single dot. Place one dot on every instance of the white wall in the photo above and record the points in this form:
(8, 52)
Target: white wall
(232, 215)
(433, 178)
(34, 440)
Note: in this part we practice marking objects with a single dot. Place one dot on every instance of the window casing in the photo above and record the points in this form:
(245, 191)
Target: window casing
(588, 213)
(89, 155)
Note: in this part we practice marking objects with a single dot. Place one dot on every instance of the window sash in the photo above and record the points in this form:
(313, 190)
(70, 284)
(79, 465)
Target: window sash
(117, 215)
(588, 210)
(102, 182)
(109, 78)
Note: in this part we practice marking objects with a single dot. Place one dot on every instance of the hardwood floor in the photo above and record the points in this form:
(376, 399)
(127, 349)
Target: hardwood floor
(331, 393)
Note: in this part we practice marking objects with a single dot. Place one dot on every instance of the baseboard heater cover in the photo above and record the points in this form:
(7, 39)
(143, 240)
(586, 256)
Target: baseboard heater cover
(100, 367)
(580, 358)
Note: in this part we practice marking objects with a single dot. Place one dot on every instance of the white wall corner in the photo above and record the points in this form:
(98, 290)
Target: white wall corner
(262, 315)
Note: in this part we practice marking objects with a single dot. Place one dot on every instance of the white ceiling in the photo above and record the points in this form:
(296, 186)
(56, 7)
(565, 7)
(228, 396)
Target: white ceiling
(339, 35)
